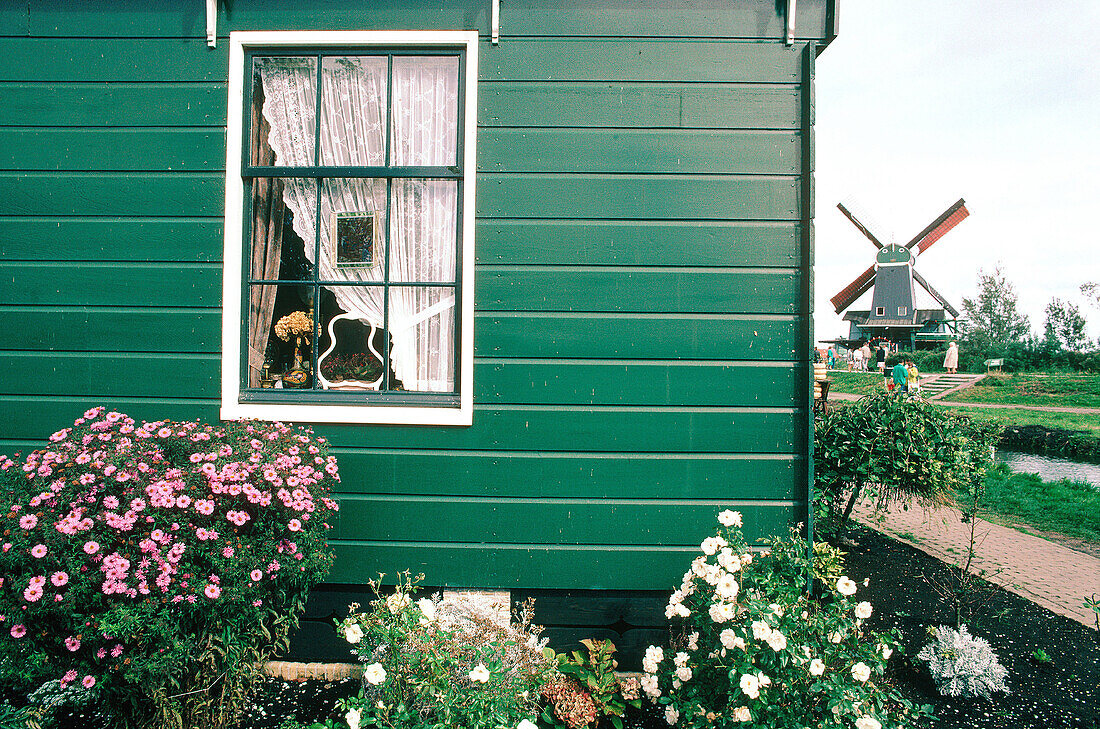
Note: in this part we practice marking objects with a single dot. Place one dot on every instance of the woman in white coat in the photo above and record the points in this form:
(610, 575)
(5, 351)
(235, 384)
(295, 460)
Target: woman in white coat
(951, 359)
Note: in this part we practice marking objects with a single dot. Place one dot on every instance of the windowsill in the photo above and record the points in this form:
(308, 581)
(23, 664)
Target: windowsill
(363, 414)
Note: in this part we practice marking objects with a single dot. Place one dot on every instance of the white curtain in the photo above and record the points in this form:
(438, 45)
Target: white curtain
(423, 213)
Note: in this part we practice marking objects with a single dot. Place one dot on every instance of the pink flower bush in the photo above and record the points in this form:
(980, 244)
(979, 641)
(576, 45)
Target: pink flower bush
(124, 536)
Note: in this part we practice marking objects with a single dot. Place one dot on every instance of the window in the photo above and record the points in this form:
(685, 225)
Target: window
(903, 311)
(348, 293)
(880, 311)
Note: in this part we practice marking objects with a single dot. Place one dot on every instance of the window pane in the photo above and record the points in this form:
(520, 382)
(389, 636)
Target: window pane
(424, 232)
(353, 111)
(278, 231)
(353, 230)
(425, 110)
(422, 331)
(284, 100)
(353, 353)
(281, 323)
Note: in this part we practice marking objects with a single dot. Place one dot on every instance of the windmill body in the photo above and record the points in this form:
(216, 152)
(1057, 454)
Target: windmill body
(893, 315)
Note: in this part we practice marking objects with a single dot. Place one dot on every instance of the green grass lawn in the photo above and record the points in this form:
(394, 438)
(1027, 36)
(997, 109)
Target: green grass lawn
(1058, 390)
(855, 383)
(1067, 507)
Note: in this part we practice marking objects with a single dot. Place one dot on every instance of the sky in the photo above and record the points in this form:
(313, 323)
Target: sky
(921, 103)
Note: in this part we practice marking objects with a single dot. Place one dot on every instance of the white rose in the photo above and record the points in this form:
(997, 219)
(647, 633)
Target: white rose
(863, 610)
(709, 546)
(352, 718)
(682, 611)
(671, 715)
(728, 560)
(527, 724)
(721, 612)
(887, 651)
(728, 638)
(397, 602)
(428, 608)
(655, 652)
(764, 680)
(649, 685)
(777, 640)
(730, 518)
(750, 685)
(861, 672)
(835, 637)
(699, 566)
(353, 633)
(845, 586)
(742, 713)
(375, 674)
(480, 673)
(760, 630)
(693, 642)
(867, 722)
(680, 659)
(727, 587)
(817, 667)
(683, 673)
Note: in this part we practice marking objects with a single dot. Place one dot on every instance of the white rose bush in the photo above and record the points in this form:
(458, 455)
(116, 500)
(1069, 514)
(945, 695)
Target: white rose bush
(760, 650)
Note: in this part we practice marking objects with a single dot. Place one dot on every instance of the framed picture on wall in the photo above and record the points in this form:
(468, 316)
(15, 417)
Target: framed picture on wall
(354, 237)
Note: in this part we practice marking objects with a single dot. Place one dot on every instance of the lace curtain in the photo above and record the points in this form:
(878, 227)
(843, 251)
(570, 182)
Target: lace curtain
(423, 225)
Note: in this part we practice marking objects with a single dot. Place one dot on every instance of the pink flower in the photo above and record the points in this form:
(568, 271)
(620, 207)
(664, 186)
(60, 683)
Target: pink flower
(116, 651)
(212, 591)
(256, 575)
(28, 521)
(110, 502)
(204, 506)
(294, 525)
(59, 579)
(18, 631)
(228, 552)
(32, 594)
(73, 644)
(91, 547)
(39, 551)
(88, 682)
(183, 501)
(69, 676)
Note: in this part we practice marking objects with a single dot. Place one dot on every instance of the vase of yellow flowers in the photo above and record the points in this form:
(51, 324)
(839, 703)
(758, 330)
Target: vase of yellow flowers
(299, 325)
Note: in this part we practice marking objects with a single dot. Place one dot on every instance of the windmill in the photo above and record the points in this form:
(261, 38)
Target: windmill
(893, 315)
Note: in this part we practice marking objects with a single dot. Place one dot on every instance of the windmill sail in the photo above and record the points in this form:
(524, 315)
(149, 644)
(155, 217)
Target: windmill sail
(935, 294)
(854, 290)
(939, 227)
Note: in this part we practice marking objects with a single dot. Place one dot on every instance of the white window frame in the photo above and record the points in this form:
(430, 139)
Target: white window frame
(232, 407)
(880, 311)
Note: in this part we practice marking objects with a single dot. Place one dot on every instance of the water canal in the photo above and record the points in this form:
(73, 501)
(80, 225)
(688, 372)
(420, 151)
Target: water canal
(1050, 469)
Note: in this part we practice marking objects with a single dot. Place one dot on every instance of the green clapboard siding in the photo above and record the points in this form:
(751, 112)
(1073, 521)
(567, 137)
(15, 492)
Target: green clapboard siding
(637, 243)
(184, 150)
(637, 150)
(82, 239)
(638, 105)
(636, 337)
(551, 474)
(560, 522)
(113, 104)
(678, 290)
(642, 239)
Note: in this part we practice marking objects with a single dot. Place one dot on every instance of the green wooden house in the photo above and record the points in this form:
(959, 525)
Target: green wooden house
(540, 270)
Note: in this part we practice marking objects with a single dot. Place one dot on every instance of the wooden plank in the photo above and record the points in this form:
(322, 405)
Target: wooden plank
(652, 151)
(676, 290)
(137, 149)
(635, 243)
(545, 473)
(585, 429)
(98, 239)
(506, 567)
(559, 521)
(111, 284)
(111, 330)
(644, 197)
(713, 18)
(34, 418)
(581, 59)
(679, 383)
(638, 105)
(636, 337)
(113, 194)
(107, 374)
(114, 104)
(116, 59)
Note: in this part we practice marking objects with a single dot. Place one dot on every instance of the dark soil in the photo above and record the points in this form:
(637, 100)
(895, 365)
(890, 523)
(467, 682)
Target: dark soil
(1063, 693)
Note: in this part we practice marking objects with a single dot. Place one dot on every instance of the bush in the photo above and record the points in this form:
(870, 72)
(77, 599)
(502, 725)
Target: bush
(963, 665)
(442, 663)
(154, 565)
(757, 648)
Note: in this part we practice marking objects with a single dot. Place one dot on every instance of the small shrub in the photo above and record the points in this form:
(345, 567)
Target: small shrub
(594, 675)
(152, 566)
(442, 663)
(757, 648)
(962, 664)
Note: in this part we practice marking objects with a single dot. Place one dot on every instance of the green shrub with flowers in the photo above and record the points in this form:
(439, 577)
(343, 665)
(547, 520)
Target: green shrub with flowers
(440, 663)
(759, 650)
(152, 566)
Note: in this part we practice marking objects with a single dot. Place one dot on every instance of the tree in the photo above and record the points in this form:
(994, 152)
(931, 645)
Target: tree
(991, 321)
(1065, 327)
(1091, 290)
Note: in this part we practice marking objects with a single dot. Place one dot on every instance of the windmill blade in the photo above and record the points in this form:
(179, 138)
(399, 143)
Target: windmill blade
(939, 227)
(861, 226)
(935, 294)
(854, 290)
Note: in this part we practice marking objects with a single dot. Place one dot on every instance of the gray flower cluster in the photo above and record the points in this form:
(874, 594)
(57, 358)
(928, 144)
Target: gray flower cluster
(962, 664)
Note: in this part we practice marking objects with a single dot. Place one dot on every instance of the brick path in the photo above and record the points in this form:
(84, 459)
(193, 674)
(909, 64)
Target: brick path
(1056, 577)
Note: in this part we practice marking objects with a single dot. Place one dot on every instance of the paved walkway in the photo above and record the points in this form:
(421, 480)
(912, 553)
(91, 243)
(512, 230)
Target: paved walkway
(1056, 577)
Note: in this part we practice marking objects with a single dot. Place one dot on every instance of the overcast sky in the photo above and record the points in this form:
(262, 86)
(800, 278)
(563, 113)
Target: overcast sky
(921, 103)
